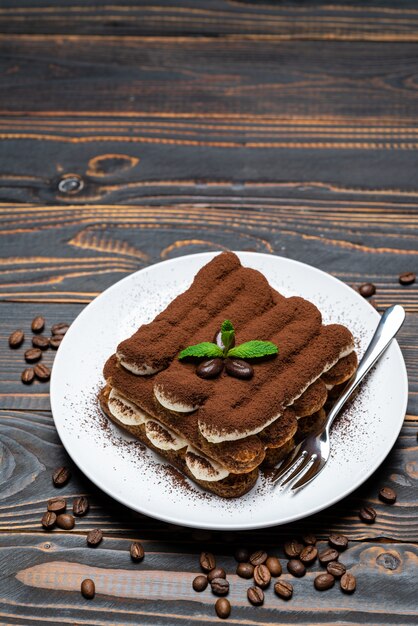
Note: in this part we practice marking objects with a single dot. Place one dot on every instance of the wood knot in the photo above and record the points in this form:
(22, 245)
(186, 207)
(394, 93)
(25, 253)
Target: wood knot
(108, 164)
(388, 560)
(70, 184)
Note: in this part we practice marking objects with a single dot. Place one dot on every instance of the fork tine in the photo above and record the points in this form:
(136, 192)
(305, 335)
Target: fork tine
(286, 464)
(298, 469)
(309, 475)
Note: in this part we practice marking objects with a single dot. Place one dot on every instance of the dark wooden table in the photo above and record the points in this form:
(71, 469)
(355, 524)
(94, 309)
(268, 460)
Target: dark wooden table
(134, 132)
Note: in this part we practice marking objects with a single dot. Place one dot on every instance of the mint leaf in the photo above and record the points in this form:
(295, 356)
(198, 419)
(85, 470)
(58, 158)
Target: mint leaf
(253, 350)
(227, 335)
(200, 350)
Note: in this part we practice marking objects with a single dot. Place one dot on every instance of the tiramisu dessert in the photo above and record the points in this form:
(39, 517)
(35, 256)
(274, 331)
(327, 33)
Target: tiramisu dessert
(228, 377)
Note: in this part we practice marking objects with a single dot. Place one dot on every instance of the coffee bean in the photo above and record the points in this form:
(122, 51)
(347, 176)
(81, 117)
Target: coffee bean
(309, 540)
(88, 588)
(308, 555)
(40, 341)
(367, 514)
(136, 551)
(324, 581)
(223, 608)
(258, 557)
(200, 583)
(48, 520)
(407, 278)
(292, 549)
(65, 521)
(207, 561)
(32, 355)
(238, 368)
(245, 570)
(283, 589)
(16, 339)
(328, 555)
(59, 329)
(348, 583)
(55, 341)
(274, 565)
(38, 324)
(262, 576)
(94, 537)
(42, 372)
(367, 290)
(220, 586)
(210, 368)
(255, 595)
(388, 495)
(296, 568)
(57, 505)
(218, 340)
(339, 542)
(242, 555)
(336, 568)
(28, 375)
(61, 476)
(217, 572)
(80, 506)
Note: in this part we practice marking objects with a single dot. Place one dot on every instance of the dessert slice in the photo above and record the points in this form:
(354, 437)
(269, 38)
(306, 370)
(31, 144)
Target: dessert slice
(219, 411)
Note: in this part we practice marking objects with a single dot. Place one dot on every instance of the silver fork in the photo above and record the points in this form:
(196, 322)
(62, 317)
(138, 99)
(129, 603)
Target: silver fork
(308, 459)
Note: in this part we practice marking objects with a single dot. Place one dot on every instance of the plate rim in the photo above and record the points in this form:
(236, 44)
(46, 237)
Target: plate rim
(172, 519)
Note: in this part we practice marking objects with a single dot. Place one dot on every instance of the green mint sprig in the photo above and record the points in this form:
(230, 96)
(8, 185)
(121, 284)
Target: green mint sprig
(249, 350)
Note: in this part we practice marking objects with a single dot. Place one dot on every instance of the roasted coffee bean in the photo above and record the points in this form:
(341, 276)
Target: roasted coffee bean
(388, 495)
(245, 570)
(367, 290)
(28, 375)
(16, 339)
(218, 340)
(42, 372)
(94, 537)
(207, 561)
(80, 506)
(88, 588)
(61, 476)
(309, 540)
(283, 589)
(32, 355)
(48, 520)
(65, 521)
(242, 555)
(274, 565)
(200, 582)
(255, 595)
(407, 278)
(40, 341)
(328, 555)
(223, 608)
(258, 557)
(367, 514)
(324, 581)
(296, 568)
(339, 542)
(38, 324)
(348, 583)
(217, 572)
(210, 368)
(292, 549)
(136, 551)
(238, 368)
(262, 576)
(55, 341)
(220, 586)
(308, 555)
(336, 568)
(57, 505)
(59, 329)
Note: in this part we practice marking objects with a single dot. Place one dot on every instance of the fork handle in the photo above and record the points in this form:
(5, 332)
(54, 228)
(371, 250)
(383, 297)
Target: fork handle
(391, 321)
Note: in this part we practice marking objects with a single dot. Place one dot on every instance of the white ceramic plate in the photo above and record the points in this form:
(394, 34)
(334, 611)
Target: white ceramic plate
(117, 464)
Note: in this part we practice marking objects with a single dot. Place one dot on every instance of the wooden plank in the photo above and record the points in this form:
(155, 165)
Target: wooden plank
(31, 450)
(382, 21)
(203, 75)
